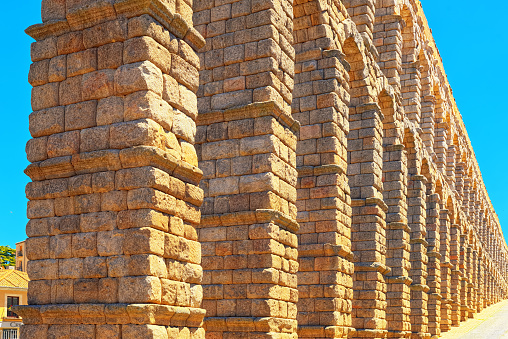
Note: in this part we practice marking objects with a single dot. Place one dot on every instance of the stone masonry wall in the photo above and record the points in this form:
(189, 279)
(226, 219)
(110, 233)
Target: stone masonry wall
(250, 169)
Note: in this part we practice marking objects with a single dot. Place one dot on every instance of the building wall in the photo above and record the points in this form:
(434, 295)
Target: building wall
(21, 259)
(10, 323)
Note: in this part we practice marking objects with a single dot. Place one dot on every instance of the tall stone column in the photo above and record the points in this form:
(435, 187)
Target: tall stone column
(428, 108)
(362, 14)
(434, 264)
(490, 285)
(466, 195)
(450, 165)
(388, 41)
(479, 281)
(247, 151)
(486, 278)
(398, 242)
(474, 281)
(368, 223)
(325, 278)
(469, 281)
(446, 270)
(440, 145)
(464, 278)
(459, 177)
(416, 219)
(410, 82)
(114, 200)
(455, 274)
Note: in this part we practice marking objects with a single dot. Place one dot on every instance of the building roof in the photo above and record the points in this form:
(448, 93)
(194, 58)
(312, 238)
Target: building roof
(13, 278)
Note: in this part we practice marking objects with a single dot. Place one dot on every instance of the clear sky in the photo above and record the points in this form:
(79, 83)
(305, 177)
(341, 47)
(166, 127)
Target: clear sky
(472, 41)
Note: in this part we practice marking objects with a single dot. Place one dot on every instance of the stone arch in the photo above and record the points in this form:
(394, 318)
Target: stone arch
(238, 80)
(439, 189)
(484, 222)
(416, 203)
(248, 229)
(409, 42)
(360, 87)
(428, 102)
(410, 68)
(432, 226)
(392, 120)
(322, 106)
(460, 169)
(451, 157)
(446, 232)
(365, 154)
(451, 207)
(363, 14)
(441, 130)
(413, 151)
(426, 171)
(397, 231)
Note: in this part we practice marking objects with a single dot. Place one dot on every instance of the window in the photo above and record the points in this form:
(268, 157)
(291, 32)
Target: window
(10, 334)
(12, 301)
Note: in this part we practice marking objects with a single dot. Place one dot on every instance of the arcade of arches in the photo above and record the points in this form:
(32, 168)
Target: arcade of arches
(250, 169)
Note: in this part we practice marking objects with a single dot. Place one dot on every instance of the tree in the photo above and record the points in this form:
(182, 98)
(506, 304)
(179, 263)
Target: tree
(7, 256)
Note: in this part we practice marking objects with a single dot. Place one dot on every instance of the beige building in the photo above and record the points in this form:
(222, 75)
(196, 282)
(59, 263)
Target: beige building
(13, 291)
(21, 258)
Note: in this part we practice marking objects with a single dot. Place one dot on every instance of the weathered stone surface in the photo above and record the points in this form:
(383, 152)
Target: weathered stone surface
(304, 173)
(99, 220)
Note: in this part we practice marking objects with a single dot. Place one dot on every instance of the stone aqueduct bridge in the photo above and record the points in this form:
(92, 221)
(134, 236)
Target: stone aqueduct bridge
(250, 169)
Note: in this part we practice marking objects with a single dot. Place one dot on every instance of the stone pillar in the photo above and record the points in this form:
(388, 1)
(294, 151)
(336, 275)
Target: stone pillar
(368, 220)
(472, 204)
(455, 274)
(440, 146)
(446, 270)
(474, 281)
(469, 281)
(388, 41)
(479, 282)
(410, 82)
(114, 200)
(459, 178)
(490, 285)
(410, 77)
(494, 287)
(434, 264)
(464, 278)
(398, 237)
(247, 151)
(427, 110)
(450, 166)
(362, 13)
(418, 257)
(466, 195)
(486, 283)
(325, 278)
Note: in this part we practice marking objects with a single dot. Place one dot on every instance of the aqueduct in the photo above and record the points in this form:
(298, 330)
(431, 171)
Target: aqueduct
(250, 169)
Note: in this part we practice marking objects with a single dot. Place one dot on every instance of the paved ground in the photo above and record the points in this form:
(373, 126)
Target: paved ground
(491, 323)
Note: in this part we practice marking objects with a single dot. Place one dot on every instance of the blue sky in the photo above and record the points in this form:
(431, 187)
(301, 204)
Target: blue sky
(471, 39)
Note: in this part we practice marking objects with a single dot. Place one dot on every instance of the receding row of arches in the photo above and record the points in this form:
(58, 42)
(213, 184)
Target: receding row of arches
(388, 195)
